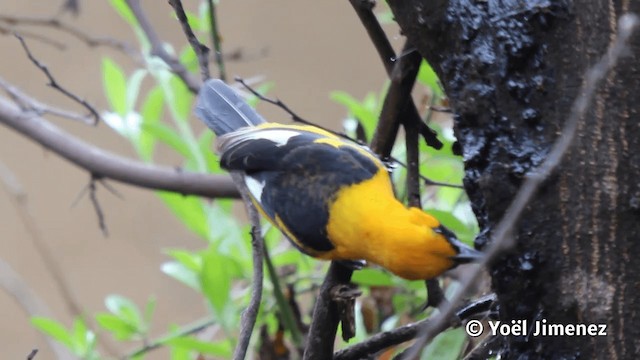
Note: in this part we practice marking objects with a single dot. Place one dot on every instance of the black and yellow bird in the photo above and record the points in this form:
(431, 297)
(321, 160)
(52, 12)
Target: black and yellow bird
(332, 197)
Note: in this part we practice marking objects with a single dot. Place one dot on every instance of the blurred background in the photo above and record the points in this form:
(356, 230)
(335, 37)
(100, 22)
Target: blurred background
(307, 49)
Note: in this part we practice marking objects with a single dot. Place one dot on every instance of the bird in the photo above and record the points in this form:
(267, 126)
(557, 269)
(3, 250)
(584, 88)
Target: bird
(330, 196)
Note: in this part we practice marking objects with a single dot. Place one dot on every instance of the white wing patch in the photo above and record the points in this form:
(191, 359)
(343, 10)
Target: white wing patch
(278, 136)
(255, 187)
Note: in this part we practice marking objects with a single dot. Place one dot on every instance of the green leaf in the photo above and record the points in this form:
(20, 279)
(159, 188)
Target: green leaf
(54, 330)
(115, 86)
(366, 112)
(149, 309)
(221, 350)
(215, 280)
(120, 329)
(180, 99)
(464, 233)
(204, 142)
(189, 59)
(429, 78)
(194, 21)
(124, 11)
(152, 106)
(446, 346)
(126, 310)
(167, 136)
(151, 114)
(84, 340)
(178, 353)
(189, 209)
(190, 260)
(372, 277)
(133, 88)
(182, 274)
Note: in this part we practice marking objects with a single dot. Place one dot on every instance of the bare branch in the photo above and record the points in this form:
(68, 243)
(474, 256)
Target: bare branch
(55, 85)
(216, 41)
(29, 103)
(295, 117)
(10, 30)
(403, 77)
(79, 34)
(326, 317)
(32, 354)
(107, 165)
(364, 10)
(157, 48)
(96, 206)
(202, 52)
(501, 238)
(257, 245)
(191, 329)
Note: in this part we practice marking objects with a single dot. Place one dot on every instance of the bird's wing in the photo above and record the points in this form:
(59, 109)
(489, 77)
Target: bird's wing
(294, 174)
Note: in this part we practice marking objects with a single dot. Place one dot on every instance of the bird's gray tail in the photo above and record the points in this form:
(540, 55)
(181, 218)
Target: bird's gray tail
(223, 110)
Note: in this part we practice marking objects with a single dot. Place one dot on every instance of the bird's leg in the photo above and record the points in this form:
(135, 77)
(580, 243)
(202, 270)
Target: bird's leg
(435, 295)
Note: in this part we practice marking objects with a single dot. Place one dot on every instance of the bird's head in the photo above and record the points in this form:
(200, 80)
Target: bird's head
(429, 251)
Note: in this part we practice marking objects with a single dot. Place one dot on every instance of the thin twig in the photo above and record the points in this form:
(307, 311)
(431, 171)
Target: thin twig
(27, 102)
(381, 341)
(202, 52)
(79, 34)
(54, 84)
(32, 354)
(398, 96)
(295, 117)
(413, 163)
(257, 246)
(286, 311)
(108, 165)
(501, 238)
(9, 30)
(157, 48)
(187, 330)
(93, 196)
(364, 10)
(216, 41)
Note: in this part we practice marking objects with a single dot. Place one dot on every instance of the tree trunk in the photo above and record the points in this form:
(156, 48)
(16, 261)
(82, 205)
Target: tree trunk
(512, 70)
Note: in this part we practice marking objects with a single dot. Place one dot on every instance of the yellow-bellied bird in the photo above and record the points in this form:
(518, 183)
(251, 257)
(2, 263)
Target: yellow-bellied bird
(331, 197)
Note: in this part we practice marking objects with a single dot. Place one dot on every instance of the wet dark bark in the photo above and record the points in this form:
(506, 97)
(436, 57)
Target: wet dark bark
(512, 70)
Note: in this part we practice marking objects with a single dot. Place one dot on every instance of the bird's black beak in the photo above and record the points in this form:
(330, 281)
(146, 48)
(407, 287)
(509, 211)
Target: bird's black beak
(465, 253)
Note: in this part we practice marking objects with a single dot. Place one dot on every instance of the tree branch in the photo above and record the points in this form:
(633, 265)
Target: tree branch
(364, 10)
(28, 103)
(54, 84)
(202, 52)
(190, 329)
(216, 41)
(324, 326)
(403, 77)
(257, 246)
(381, 341)
(107, 165)
(79, 34)
(157, 48)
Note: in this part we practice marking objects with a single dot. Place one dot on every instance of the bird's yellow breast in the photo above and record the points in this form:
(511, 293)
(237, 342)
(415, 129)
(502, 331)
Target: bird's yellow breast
(367, 222)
